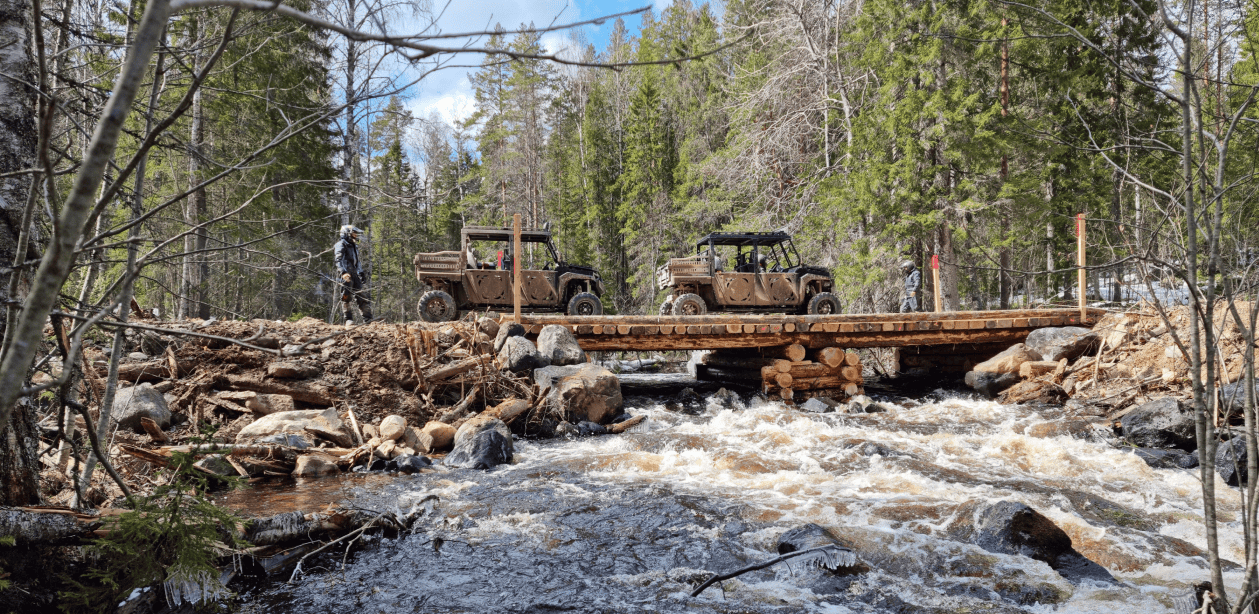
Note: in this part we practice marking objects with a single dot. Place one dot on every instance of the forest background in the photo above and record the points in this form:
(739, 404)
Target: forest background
(874, 131)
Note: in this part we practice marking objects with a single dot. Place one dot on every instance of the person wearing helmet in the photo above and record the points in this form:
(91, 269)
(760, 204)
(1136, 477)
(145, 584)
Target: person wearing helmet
(353, 282)
(913, 279)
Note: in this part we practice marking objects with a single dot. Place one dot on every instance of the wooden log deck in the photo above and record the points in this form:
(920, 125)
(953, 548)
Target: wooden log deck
(733, 330)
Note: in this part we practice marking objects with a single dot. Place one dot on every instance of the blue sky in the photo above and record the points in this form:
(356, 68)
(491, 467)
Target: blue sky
(448, 93)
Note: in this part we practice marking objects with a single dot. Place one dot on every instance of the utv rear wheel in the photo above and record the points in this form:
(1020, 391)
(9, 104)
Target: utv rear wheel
(689, 305)
(824, 304)
(585, 304)
(666, 307)
(437, 306)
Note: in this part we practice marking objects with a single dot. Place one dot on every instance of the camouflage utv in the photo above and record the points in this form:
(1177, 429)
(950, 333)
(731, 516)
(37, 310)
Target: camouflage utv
(460, 281)
(748, 272)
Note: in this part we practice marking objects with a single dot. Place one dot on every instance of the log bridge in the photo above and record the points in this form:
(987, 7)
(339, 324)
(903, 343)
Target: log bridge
(733, 330)
(797, 356)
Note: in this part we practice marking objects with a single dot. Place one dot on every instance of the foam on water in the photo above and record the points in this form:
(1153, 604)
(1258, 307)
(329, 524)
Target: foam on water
(897, 494)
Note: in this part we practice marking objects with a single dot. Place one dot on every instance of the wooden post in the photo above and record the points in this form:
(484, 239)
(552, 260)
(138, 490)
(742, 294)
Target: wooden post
(935, 282)
(515, 265)
(1079, 232)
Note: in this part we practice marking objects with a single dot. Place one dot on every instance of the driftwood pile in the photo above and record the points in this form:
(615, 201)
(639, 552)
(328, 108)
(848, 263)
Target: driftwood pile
(218, 377)
(790, 372)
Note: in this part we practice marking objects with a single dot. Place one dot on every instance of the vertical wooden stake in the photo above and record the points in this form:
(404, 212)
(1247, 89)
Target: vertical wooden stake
(935, 282)
(515, 265)
(1079, 231)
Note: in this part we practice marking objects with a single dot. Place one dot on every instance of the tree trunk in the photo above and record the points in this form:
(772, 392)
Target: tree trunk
(19, 467)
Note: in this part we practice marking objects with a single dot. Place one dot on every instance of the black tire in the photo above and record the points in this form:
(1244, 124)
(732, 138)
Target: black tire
(437, 306)
(666, 307)
(823, 304)
(585, 304)
(689, 305)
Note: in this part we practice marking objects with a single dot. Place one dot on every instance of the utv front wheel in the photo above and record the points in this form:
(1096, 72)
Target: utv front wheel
(437, 306)
(689, 305)
(824, 304)
(666, 307)
(585, 304)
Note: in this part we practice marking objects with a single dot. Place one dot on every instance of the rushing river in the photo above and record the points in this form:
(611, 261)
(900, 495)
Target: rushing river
(628, 523)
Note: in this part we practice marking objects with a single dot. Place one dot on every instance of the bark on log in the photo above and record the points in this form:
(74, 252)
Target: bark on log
(36, 525)
(455, 368)
(621, 427)
(794, 352)
(814, 383)
(831, 357)
(307, 392)
(153, 430)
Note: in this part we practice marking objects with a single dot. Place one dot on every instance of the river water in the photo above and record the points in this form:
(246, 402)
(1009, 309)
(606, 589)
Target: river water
(630, 523)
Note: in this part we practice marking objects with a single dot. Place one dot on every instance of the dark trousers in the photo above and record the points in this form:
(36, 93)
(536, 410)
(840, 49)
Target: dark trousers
(355, 290)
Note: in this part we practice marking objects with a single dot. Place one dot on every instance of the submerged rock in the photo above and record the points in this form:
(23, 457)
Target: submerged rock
(581, 392)
(1167, 459)
(990, 384)
(315, 465)
(409, 463)
(1034, 391)
(1010, 527)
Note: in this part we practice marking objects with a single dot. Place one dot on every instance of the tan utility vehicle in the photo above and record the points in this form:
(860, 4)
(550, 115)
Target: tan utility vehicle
(761, 272)
(459, 281)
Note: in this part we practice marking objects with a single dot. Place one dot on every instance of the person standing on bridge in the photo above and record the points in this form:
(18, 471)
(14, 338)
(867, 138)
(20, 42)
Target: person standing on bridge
(913, 280)
(353, 282)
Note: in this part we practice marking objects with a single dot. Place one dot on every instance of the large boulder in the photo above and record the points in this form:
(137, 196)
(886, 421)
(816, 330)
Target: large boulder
(558, 345)
(487, 327)
(482, 442)
(319, 422)
(518, 355)
(1009, 527)
(435, 437)
(505, 332)
(1167, 459)
(581, 392)
(315, 465)
(136, 402)
(393, 427)
(1161, 423)
(1068, 342)
(1009, 360)
(990, 384)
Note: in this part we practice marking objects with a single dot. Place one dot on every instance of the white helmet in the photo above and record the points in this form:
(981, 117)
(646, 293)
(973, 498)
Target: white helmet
(908, 264)
(350, 228)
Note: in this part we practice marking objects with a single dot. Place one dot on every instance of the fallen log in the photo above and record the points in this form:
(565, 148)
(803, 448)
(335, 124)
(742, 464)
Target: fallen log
(306, 392)
(455, 368)
(794, 352)
(831, 357)
(814, 383)
(42, 525)
(153, 430)
(621, 427)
